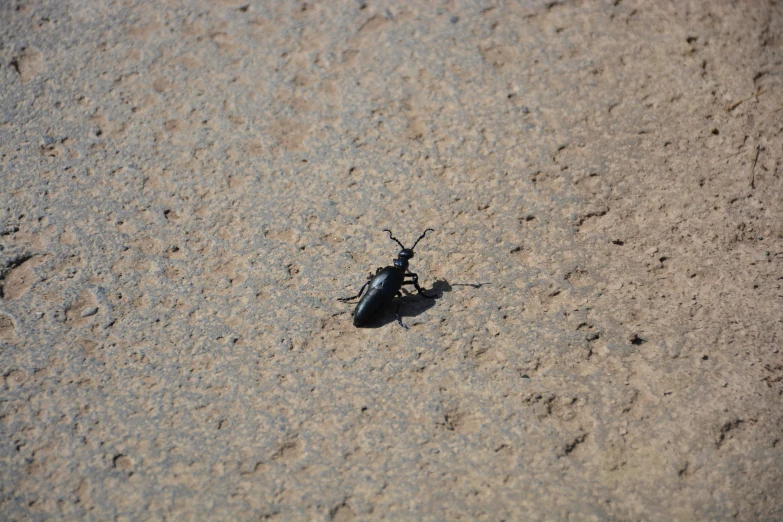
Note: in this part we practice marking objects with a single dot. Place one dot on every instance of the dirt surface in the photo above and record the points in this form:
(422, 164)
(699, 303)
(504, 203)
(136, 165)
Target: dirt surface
(187, 188)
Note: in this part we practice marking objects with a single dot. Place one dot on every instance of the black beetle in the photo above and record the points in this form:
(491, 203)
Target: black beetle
(385, 285)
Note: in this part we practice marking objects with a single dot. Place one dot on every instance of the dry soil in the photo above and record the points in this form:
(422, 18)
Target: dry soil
(187, 187)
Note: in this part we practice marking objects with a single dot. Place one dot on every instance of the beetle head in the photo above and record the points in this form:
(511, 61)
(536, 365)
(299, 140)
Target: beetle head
(406, 253)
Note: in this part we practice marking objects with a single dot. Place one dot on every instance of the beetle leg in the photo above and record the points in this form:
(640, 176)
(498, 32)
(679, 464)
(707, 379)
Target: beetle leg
(421, 292)
(397, 312)
(415, 282)
(357, 295)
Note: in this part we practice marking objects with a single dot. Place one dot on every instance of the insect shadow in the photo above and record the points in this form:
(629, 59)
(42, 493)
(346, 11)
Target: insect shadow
(412, 305)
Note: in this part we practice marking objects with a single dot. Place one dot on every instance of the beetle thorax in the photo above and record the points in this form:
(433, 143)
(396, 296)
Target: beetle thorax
(402, 258)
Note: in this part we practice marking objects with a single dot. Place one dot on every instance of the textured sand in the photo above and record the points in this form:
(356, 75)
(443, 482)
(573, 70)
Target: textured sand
(186, 188)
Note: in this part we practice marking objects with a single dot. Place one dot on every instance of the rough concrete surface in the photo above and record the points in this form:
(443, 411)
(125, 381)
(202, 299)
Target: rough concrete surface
(188, 187)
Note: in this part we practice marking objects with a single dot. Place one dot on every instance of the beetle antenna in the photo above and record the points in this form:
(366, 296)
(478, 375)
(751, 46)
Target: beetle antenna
(394, 238)
(422, 237)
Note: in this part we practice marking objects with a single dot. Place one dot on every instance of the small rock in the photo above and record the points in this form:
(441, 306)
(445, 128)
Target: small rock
(87, 312)
(14, 378)
(651, 251)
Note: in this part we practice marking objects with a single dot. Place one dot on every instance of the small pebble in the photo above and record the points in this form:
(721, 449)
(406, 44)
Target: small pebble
(87, 312)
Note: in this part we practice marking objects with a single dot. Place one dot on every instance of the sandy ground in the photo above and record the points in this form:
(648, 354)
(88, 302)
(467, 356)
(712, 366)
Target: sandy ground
(186, 188)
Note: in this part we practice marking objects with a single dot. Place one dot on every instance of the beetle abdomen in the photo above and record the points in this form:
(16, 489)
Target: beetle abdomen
(383, 287)
(367, 307)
